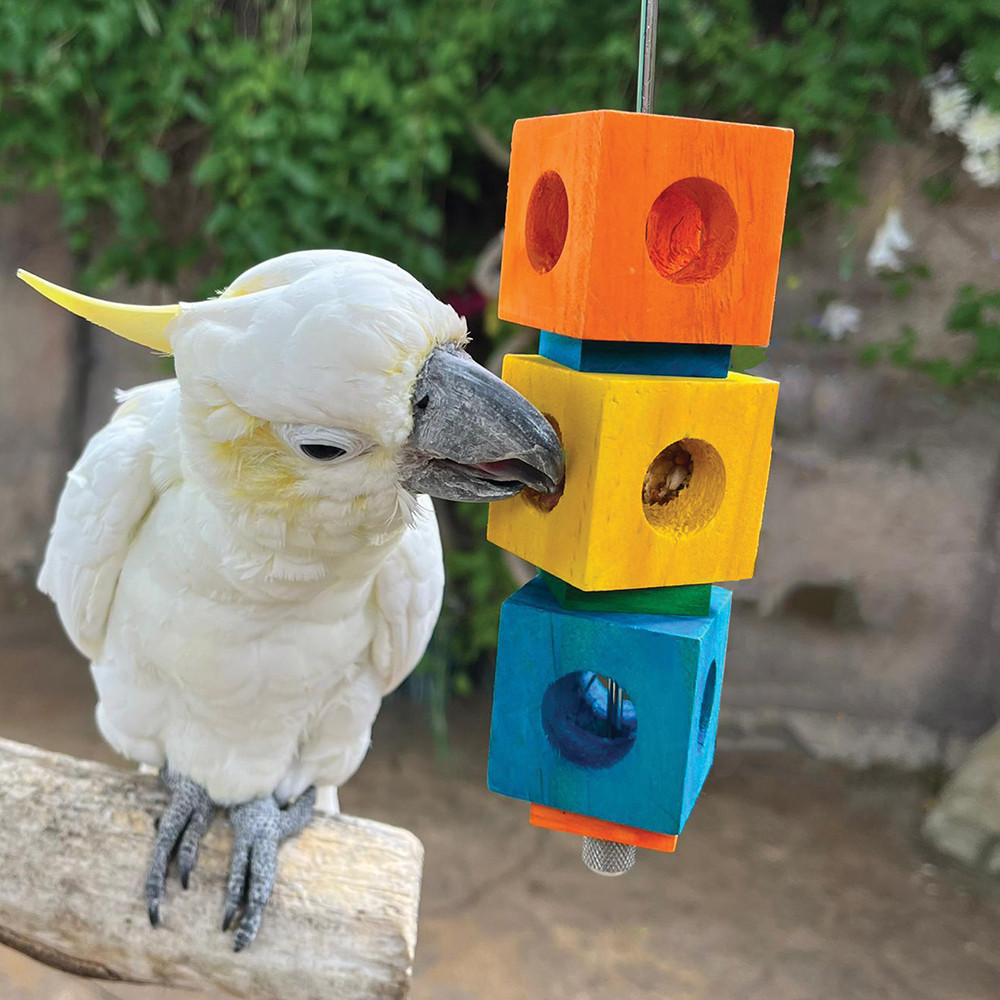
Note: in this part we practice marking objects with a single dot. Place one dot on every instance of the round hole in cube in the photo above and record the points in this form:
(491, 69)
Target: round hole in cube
(691, 231)
(684, 486)
(545, 502)
(707, 703)
(585, 723)
(547, 223)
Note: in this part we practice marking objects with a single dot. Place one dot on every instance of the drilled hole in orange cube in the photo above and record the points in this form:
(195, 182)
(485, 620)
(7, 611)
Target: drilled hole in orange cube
(691, 231)
(547, 223)
(545, 502)
(684, 486)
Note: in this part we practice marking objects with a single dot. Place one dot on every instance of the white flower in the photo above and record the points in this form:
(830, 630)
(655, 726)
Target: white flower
(818, 166)
(890, 240)
(980, 132)
(949, 107)
(941, 78)
(983, 168)
(839, 319)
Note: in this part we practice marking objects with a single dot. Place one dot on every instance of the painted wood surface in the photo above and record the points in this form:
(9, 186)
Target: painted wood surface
(586, 826)
(671, 669)
(602, 534)
(74, 843)
(647, 228)
(692, 360)
(694, 599)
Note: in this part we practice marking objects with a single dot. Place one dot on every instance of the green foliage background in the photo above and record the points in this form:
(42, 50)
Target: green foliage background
(197, 137)
(190, 139)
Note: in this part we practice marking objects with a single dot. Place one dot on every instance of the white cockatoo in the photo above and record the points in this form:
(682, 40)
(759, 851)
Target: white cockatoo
(247, 553)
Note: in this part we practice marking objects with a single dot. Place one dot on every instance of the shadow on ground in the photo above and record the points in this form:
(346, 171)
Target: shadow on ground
(794, 880)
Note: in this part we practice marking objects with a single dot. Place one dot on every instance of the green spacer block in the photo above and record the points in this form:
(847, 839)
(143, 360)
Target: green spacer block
(693, 600)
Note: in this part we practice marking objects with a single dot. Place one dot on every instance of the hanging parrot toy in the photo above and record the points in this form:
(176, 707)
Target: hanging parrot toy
(644, 247)
(247, 553)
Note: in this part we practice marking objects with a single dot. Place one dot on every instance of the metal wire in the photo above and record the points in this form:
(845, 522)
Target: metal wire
(647, 57)
(608, 857)
(616, 701)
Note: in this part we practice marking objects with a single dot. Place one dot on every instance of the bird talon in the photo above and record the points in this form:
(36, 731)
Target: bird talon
(259, 827)
(179, 830)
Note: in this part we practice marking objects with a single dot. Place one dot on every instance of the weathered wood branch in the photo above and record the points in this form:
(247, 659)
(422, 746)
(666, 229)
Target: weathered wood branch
(74, 843)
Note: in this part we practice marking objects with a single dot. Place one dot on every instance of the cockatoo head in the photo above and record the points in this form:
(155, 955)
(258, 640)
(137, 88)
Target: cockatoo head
(335, 375)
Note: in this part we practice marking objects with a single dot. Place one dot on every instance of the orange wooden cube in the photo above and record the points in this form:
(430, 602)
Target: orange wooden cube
(646, 228)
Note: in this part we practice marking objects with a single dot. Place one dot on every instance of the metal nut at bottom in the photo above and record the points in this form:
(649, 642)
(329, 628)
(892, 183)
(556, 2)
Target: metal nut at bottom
(607, 857)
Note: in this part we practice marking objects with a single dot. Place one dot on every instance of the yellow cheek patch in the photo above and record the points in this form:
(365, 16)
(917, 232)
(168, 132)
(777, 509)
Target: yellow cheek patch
(258, 468)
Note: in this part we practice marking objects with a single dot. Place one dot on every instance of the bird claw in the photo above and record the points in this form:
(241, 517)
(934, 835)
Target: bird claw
(259, 826)
(179, 830)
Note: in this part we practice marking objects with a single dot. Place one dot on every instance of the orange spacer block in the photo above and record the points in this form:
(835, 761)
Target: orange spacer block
(644, 227)
(586, 826)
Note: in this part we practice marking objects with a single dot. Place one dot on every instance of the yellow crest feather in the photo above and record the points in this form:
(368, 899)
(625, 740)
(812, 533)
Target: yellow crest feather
(141, 324)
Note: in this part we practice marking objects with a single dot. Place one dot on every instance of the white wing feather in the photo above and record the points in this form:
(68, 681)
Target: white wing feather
(407, 594)
(107, 494)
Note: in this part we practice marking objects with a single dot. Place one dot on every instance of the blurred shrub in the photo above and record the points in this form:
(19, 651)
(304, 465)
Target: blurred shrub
(975, 318)
(189, 131)
(201, 136)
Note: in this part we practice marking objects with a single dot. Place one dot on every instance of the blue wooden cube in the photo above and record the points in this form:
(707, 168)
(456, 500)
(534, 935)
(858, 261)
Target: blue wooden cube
(558, 739)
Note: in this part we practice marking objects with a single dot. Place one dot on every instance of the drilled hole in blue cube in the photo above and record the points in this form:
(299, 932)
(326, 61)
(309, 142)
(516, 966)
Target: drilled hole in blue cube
(589, 719)
(707, 702)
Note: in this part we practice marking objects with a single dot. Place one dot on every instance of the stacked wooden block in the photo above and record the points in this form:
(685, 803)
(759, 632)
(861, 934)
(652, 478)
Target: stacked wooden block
(643, 247)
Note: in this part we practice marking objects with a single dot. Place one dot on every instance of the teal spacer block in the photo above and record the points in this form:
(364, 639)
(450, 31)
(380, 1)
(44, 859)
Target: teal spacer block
(635, 358)
(551, 739)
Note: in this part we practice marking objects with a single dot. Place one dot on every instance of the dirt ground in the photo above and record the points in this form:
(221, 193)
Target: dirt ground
(794, 880)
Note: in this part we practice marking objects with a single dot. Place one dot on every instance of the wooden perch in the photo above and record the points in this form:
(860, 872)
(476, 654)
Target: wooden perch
(74, 843)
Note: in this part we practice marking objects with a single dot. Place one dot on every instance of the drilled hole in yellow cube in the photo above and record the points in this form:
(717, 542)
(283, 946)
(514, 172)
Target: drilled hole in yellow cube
(684, 486)
(545, 502)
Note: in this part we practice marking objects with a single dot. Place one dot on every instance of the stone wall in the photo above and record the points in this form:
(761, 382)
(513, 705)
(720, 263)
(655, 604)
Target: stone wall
(58, 376)
(41, 377)
(872, 623)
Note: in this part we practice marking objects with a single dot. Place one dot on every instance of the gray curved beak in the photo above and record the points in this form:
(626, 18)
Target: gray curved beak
(474, 437)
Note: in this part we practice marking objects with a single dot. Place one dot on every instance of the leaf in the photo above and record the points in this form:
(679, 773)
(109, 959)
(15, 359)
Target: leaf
(965, 315)
(147, 18)
(744, 358)
(153, 166)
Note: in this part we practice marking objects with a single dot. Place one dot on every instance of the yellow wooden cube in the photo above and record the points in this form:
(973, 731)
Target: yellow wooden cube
(665, 477)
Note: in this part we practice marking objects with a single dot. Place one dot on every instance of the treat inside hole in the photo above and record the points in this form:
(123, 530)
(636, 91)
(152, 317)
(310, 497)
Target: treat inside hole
(546, 502)
(669, 474)
(683, 486)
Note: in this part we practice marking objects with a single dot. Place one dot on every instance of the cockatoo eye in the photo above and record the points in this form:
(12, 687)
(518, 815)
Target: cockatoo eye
(321, 452)
(323, 444)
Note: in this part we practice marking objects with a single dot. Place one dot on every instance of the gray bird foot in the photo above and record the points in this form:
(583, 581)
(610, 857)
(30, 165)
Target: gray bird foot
(188, 815)
(259, 827)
